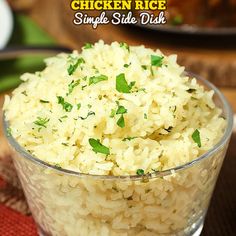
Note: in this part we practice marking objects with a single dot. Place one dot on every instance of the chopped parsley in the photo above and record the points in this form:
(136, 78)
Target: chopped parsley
(71, 69)
(24, 93)
(98, 147)
(43, 101)
(66, 106)
(9, 132)
(156, 60)
(88, 46)
(125, 45)
(145, 116)
(121, 122)
(72, 85)
(191, 90)
(121, 84)
(89, 105)
(169, 129)
(97, 79)
(58, 166)
(140, 172)
(196, 137)
(128, 138)
(84, 86)
(144, 67)
(127, 65)
(142, 90)
(121, 110)
(41, 122)
(91, 113)
(78, 106)
(65, 144)
(113, 112)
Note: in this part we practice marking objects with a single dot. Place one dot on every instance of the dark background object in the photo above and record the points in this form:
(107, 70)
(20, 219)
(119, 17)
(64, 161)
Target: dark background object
(221, 217)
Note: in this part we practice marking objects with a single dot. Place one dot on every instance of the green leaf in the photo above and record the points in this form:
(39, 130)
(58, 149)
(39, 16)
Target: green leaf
(113, 112)
(128, 138)
(88, 46)
(97, 79)
(72, 85)
(9, 132)
(125, 45)
(156, 60)
(91, 113)
(169, 129)
(140, 172)
(43, 101)
(78, 106)
(41, 122)
(121, 122)
(127, 65)
(71, 69)
(98, 147)
(121, 110)
(66, 106)
(196, 137)
(145, 116)
(191, 90)
(121, 84)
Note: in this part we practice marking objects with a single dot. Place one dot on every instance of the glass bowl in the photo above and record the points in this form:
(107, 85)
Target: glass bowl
(170, 202)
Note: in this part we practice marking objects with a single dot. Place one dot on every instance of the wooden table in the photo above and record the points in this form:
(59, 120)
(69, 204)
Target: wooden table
(214, 60)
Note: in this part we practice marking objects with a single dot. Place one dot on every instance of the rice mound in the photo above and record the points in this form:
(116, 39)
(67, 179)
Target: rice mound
(76, 99)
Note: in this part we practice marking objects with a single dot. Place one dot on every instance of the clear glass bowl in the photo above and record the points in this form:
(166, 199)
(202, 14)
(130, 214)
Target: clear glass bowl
(171, 202)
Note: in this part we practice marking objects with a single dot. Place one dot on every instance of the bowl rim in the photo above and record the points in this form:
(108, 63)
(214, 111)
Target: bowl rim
(156, 174)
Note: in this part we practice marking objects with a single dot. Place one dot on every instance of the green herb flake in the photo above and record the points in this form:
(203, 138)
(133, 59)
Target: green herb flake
(156, 60)
(129, 139)
(196, 137)
(145, 116)
(91, 113)
(142, 90)
(140, 172)
(72, 68)
(89, 105)
(191, 90)
(121, 84)
(98, 147)
(169, 129)
(88, 46)
(144, 67)
(65, 144)
(72, 85)
(58, 166)
(41, 122)
(24, 93)
(78, 106)
(43, 101)
(84, 86)
(97, 79)
(125, 45)
(66, 106)
(9, 132)
(121, 110)
(113, 112)
(127, 65)
(121, 122)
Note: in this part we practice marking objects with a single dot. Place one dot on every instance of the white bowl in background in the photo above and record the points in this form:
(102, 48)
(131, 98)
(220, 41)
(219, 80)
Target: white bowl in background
(6, 23)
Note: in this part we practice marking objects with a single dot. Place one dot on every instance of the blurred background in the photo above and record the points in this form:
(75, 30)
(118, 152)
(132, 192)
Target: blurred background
(201, 32)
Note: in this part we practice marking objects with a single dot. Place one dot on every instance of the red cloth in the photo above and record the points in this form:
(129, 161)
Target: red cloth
(13, 223)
